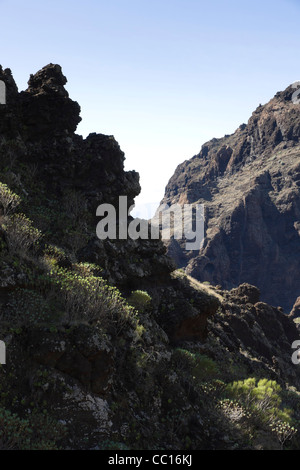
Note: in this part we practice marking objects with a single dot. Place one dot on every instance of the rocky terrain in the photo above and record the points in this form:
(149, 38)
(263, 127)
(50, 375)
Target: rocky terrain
(108, 345)
(249, 183)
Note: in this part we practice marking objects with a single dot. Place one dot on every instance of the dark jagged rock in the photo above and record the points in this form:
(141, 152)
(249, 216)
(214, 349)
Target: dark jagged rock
(249, 184)
(46, 107)
(78, 355)
(189, 306)
(43, 111)
(43, 119)
(259, 331)
(251, 294)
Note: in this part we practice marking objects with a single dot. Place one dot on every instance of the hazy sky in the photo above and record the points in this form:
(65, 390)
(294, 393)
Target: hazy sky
(162, 76)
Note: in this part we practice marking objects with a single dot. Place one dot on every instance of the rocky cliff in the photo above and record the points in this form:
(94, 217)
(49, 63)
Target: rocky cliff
(74, 174)
(249, 183)
(108, 346)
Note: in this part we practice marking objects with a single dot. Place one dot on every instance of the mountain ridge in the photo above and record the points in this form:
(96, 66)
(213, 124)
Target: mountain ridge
(249, 183)
(108, 345)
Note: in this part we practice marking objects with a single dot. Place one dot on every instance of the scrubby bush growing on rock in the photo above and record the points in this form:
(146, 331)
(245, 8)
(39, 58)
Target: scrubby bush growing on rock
(139, 299)
(262, 394)
(8, 200)
(89, 298)
(27, 307)
(262, 399)
(199, 366)
(37, 433)
(20, 234)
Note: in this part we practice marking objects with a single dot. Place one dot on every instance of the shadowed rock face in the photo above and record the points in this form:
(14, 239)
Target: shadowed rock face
(123, 377)
(46, 106)
(37, 130)
(42, 111)
(41, 122)
(250, 184)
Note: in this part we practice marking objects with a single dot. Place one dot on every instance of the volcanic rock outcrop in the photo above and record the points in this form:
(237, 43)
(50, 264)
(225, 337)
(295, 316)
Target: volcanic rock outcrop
(37, 130)
(107, 345)
(249, 183)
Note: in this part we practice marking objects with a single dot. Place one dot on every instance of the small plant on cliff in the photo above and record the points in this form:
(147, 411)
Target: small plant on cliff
(262, 394)
(283, 431)
(140, 300)
(15, 433)
(27, 307)
(20, 233)
(199, 366)
(263, 399)
(37, 433)
(55, 252)
(89, 298)
(8, 200)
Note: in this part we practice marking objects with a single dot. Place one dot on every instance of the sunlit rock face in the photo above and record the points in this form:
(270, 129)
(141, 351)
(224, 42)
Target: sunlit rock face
(249, 183)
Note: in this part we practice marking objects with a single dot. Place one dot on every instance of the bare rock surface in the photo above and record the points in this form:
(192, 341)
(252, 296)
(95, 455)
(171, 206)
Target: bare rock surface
(249, 183)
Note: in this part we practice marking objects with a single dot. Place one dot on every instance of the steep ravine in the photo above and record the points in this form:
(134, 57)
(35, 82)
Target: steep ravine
(108, 345)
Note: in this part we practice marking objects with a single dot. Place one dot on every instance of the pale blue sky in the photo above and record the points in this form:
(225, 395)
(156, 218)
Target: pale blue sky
(162, 76)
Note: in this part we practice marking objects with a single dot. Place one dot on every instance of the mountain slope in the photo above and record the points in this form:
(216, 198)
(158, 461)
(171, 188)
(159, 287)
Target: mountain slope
(107, 345)
(250, 184)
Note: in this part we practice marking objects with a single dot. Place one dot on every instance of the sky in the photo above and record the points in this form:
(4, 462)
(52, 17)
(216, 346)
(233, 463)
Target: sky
(162, 76)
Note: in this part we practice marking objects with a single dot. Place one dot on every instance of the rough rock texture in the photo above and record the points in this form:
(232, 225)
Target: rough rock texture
(46, 107)
(84, 369)
(37, 130)
(250, 184)
(295, 312)
(66, 179)
(257, 331)
(189, 306)
(81, 354)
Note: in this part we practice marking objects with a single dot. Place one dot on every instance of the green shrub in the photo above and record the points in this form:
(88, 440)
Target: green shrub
(55, 252)
(140, 300)
(27, 307)
(8, 200)
(263, 396)
(75, 207)
(263, 399)
(11, 150)
(263, 392)
(75, 240)
(44, 217)
(20, 233)
(36, 433)
(87, 269)
(199, 366)
(283, 431)
(15, 433)
(89, 298)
